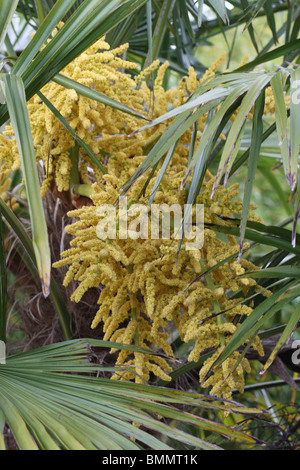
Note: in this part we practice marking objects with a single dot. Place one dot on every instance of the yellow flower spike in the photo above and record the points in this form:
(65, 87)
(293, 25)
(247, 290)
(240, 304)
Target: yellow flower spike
(5, 183)
(150, 296)
(219, 292)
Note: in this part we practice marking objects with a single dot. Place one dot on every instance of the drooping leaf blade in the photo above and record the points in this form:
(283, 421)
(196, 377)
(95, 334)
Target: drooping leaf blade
(246, 105)
(16, 102)
(95, 95)
(277, 84)
(7, 10)
(294, 129)
(44, 31)
(275, 272)
(257, 131)
(291, 325)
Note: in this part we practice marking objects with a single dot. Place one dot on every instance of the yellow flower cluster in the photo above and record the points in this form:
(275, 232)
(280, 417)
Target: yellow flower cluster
(270, 101)
(103, 128)
(9, 156)
(5, 183)
(147, 293)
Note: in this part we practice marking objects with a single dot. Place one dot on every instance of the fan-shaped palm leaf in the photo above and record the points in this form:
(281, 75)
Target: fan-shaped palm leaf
(49, 405)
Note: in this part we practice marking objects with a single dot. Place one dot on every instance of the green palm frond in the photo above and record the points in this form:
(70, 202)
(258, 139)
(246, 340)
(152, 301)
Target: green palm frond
(48, 404)
(7, 10)
(13, 91)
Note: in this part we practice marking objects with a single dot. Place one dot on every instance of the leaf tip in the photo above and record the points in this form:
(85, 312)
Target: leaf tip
(45, 282)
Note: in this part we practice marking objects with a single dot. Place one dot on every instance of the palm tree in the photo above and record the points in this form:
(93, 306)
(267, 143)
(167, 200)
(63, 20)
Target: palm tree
(55, 390)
